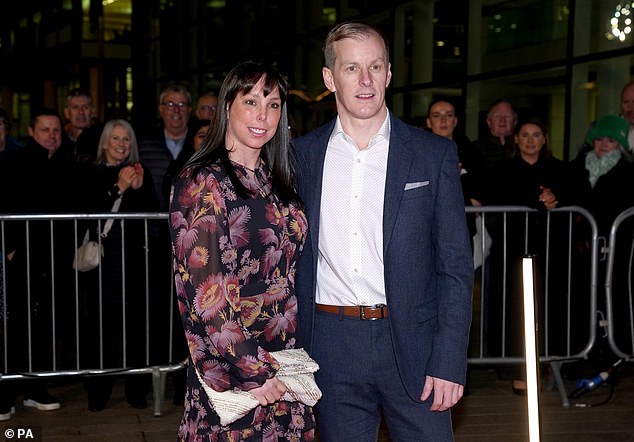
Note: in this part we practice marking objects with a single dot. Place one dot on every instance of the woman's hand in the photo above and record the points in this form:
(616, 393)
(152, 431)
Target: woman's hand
(128, 177)
(269, 393)
(137, 182)
(548, 198)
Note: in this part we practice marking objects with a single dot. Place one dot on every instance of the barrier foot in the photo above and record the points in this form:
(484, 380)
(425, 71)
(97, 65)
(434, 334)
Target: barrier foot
(158, 389)
(559, 383)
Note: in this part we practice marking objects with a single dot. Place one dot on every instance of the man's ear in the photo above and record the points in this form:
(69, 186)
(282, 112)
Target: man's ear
(329, 82)
(389, 75)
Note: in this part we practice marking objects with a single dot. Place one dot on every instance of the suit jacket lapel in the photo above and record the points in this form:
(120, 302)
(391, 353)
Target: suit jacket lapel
(399, 161)
(317, 155)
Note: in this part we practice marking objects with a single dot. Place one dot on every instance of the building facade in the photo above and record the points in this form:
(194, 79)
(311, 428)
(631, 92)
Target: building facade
(564, 61)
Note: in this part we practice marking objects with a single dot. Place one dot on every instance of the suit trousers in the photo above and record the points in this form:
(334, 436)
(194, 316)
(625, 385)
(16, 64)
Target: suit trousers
(360, 382)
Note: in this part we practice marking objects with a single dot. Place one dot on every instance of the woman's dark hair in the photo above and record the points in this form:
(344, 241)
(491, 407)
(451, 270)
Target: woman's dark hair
(278, 153)
(545, 151)
(440, 100)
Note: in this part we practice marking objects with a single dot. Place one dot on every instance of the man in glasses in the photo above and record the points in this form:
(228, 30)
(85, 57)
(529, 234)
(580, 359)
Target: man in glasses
(206, 106)
(157, 151)
(160, 148)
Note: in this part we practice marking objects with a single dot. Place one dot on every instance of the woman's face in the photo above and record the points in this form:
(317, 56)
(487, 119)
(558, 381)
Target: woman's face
(199, 137)
(442, 119)
(530, 140)
(252, 120)
(118, 146)
(604, 145)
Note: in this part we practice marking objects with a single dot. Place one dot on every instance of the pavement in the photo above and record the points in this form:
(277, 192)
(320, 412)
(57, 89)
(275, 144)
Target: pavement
(489, 413)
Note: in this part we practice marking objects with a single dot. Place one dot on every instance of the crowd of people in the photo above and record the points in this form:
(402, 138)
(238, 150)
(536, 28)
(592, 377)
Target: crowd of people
(279, 244)
(77, 164)
(513, 165)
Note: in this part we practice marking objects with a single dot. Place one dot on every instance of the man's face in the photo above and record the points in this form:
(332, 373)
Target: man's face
(174, 111)
(501, 120)
(79, 112)
(207, 106)
(359, 78)
(47, 132)
(627, 104)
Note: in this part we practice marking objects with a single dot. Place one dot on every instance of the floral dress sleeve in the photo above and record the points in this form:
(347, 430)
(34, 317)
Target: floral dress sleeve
(222, 348)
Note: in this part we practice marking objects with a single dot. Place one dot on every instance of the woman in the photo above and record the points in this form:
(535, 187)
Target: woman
(605, 177)
(442, 120)
(604, 172)
(237, 230)
(117, 173)
(535, 179)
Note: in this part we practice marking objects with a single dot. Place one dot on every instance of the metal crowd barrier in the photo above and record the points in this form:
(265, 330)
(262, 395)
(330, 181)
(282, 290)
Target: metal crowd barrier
(618, 287)
(565, 243)
(57, 321)
(59, 340)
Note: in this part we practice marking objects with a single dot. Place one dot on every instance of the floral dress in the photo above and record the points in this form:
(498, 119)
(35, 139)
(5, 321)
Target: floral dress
(234, 268)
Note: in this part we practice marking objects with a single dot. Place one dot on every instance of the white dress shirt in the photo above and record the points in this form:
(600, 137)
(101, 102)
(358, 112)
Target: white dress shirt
(350, 260)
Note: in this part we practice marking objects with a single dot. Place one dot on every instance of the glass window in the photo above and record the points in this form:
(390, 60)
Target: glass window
(603, 25)
(538, 94)
(517, 33)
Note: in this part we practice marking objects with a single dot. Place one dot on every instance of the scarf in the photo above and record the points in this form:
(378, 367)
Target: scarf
(597, 167)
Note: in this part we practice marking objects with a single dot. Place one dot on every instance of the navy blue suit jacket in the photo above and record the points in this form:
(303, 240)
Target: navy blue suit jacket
(427, 255)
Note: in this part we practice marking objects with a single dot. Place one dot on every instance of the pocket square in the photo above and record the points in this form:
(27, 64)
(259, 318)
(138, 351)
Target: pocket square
(410, 186)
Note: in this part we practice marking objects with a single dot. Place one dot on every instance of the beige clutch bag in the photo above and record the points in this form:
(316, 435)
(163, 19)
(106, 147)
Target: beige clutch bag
(296, 372)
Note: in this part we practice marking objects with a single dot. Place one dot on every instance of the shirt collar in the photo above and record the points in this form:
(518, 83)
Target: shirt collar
(382, 134)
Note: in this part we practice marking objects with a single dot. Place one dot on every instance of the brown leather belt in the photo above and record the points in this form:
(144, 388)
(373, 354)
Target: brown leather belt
(371, 312)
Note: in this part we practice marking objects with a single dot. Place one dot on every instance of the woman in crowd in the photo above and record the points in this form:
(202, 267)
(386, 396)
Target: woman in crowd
(604, 176)
(604, 172)
(535, 179)
(115, 175)
(237, 230)
(442, 120)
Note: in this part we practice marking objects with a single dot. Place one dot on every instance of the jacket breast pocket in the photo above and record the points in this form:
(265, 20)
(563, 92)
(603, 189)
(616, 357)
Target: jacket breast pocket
(416, 190)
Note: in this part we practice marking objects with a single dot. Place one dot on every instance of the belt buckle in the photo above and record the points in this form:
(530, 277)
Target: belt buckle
(362, 311)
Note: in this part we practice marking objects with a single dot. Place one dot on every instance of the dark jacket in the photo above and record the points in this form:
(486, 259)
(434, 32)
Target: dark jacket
(156, 157)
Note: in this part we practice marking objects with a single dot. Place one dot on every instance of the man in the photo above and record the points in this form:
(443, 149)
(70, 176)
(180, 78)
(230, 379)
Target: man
(627, 110)
(384, 283)
(157, 151)
(38, 178)
(80, 128)
(160, 148)
(499, 142)
(206, 107)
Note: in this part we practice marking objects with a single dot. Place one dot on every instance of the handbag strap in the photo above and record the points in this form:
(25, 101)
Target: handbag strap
(108, 225)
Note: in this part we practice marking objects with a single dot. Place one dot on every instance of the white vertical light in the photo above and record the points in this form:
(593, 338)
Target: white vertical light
(530, 350)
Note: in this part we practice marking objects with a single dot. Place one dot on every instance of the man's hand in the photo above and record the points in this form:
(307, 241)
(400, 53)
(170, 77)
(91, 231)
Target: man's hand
(272, 391)
(446, 393)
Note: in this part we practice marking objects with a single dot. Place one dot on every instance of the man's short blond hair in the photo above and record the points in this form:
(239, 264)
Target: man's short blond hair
(354, 30)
